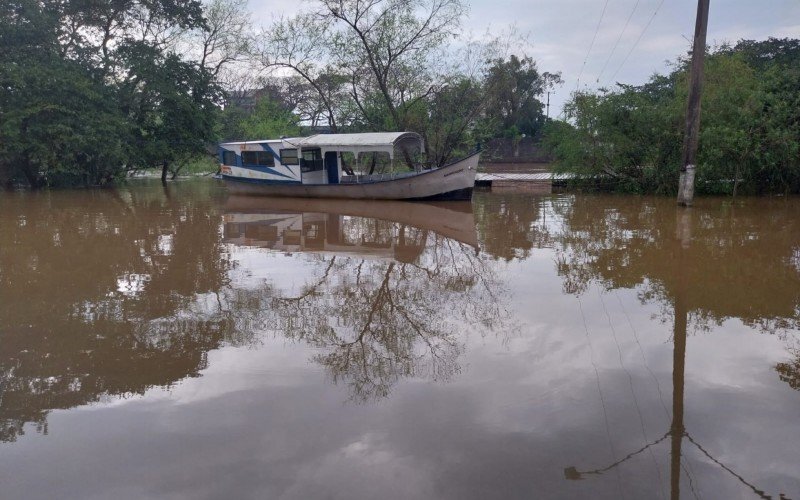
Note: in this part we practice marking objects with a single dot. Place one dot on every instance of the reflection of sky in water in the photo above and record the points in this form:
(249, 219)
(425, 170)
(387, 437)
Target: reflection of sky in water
(795, 259)
(573, 381)
(527, 404)
(165, 244)
(132, 284)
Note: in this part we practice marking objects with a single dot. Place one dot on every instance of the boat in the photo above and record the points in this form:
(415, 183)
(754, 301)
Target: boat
(332, 166)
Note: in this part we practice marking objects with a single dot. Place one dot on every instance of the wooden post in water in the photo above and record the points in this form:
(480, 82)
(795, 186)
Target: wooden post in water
(690, 140)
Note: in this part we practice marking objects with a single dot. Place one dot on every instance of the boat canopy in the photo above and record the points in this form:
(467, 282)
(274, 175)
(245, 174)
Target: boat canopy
(362, 143)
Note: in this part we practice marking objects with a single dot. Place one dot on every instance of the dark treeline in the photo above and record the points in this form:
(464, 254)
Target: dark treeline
(749, 133)
(91, 92)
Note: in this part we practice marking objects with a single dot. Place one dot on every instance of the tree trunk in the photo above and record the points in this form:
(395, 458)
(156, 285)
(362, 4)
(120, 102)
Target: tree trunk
(345, 166)
(32, 176)
(409, 161)
(164, 170)
(372, 166)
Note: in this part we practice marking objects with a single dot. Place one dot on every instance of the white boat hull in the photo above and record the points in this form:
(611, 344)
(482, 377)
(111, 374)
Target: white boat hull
(451, 182)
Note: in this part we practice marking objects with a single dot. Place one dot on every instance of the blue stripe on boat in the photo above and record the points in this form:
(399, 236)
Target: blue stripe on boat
(266, 169)
(257, 181)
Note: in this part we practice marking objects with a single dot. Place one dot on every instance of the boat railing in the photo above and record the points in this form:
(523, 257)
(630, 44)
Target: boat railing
(367, 178)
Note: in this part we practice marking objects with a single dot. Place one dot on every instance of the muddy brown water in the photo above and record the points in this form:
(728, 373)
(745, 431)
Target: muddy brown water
(178, 343)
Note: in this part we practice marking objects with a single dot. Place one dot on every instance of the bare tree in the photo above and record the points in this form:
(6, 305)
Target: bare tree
(389, 65)
(388, 44)
(299, 44)
(379, 50)
(227, 38)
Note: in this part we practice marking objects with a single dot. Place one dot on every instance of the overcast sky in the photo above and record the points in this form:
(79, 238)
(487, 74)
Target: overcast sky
(561, 32)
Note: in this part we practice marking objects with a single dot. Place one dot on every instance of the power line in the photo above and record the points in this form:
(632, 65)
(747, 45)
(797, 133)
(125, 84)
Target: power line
(596, 30)
(757, 491)
(638, 39)
(600, 391)
(630, 381)
(619, 38)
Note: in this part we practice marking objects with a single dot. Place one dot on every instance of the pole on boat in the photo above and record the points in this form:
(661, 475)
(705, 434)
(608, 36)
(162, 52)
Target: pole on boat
(690, 140)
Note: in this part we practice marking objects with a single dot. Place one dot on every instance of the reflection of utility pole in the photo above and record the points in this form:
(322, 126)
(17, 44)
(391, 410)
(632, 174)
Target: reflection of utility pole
(690, 140)
(677, 430)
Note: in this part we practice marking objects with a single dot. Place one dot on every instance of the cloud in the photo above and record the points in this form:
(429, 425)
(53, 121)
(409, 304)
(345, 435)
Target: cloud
(788, 32)
(562, 32)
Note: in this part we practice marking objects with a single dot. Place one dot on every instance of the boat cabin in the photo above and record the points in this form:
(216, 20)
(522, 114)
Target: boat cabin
(321, 159)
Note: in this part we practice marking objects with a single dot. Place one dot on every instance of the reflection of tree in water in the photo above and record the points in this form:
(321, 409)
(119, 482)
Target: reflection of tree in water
(789, 371)
(739, 257)
(376, 320)
(512, 225)
(93, 292)
(108, 293)
(702, 265)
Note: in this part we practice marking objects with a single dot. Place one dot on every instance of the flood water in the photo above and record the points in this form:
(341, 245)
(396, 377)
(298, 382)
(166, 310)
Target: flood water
(177, 343)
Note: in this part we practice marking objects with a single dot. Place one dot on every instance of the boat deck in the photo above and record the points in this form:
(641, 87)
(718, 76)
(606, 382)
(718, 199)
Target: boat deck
(530, 177)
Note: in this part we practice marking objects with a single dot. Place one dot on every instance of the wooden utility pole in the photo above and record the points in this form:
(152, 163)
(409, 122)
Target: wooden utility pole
(690, 140)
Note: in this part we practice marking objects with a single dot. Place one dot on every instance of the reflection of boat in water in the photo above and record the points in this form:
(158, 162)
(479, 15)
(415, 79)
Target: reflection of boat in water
(387, 293)
(390, 229)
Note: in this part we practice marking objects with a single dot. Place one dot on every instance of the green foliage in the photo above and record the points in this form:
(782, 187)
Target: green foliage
(45, 137)
(750, 126)
(270, 120)
(731, 112)
(170, 102)
(451, 127)
(514, 88)
(229, 124)
(44, 134)
(77, 109)
(622, 134)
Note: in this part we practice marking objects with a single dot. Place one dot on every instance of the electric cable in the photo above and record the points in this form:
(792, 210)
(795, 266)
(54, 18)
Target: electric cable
(619, 38)
(594, 37)
(649, 22)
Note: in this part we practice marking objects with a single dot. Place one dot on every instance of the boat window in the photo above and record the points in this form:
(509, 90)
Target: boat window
(261, 158)
(312, 160)
(289, 157)
(229, 158)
